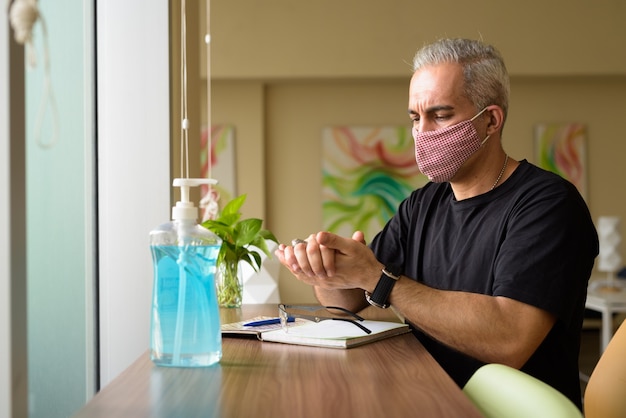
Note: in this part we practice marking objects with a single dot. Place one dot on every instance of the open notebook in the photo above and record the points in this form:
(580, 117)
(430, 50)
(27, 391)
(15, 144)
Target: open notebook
(334, 334)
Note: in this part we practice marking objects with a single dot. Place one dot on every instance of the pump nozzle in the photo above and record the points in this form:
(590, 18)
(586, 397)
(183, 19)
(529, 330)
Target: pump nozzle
(184, 208)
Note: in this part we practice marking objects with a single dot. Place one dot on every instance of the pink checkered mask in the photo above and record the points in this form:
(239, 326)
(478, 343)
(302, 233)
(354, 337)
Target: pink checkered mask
(440, 153)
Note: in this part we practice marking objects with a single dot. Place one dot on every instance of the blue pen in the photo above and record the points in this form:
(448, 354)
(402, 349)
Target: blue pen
(269, 321)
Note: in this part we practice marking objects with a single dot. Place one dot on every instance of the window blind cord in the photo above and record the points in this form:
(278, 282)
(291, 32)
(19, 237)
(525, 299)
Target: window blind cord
(209, 201)
(23, 14)
(184, 151)
(207, 40)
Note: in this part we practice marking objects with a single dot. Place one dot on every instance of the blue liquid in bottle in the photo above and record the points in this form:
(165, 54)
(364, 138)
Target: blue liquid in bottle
(185, 329)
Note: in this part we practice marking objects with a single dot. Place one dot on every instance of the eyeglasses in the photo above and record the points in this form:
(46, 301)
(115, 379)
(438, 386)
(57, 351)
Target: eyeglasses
(288, 313)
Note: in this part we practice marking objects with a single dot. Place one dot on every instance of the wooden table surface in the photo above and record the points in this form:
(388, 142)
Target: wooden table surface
(395, 377)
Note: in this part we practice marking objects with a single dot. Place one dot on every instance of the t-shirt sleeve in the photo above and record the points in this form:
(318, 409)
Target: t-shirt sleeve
(548, 251)
(390, 244)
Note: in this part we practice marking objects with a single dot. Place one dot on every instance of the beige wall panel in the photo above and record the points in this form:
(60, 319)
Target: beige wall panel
(242, 104)
(330, 38)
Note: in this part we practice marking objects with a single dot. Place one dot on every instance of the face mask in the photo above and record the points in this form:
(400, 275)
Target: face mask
(440, 154)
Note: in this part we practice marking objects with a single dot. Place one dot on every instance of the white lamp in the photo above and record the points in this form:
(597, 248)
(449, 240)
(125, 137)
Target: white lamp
(261, 286)
(609, 259)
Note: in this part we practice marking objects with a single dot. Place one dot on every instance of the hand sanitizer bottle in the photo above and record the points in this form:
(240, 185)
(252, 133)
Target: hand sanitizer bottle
(185, 328)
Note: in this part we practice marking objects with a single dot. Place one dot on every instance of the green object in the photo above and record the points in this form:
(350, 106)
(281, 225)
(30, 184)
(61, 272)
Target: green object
(242, 240)
(500, 391)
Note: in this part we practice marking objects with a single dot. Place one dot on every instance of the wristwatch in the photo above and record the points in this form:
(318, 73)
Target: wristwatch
(380, 296)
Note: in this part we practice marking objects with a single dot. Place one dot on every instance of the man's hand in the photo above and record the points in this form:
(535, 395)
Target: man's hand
(329, 261)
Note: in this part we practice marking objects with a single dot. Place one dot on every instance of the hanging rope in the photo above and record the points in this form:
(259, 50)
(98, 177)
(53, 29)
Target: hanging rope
(207, 40)
(23, 14)
(209, 201)
(184, 143)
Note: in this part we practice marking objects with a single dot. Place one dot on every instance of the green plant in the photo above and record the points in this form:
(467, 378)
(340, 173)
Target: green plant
(239, 239)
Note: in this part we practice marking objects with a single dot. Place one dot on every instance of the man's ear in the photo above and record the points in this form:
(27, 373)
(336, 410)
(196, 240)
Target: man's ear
(496, 119)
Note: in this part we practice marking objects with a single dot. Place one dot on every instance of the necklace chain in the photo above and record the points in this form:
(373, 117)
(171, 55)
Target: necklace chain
(506, 160)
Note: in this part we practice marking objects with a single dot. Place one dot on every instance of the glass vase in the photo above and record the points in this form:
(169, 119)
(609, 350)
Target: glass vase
(229, 285)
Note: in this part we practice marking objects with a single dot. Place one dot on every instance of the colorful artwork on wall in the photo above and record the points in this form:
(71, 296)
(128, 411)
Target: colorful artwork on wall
(367, 172)
(561, 148)
(222, 164)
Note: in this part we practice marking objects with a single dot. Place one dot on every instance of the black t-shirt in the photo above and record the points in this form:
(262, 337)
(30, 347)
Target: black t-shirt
(531, 239)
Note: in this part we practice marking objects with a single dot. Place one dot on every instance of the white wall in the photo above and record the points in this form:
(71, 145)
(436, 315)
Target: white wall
(133, 169)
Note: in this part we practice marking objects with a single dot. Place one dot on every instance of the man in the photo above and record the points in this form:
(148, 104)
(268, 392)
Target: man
(489, 262)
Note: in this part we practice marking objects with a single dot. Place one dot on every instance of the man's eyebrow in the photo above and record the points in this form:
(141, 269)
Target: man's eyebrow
(433, 109)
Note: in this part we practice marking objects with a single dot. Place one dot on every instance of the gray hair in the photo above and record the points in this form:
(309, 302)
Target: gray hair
(486, 78)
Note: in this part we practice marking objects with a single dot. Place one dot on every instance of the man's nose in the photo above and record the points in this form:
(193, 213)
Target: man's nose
(423, 126)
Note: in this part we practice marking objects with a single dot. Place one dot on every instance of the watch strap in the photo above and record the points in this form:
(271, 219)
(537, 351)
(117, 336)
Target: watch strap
(380, 296)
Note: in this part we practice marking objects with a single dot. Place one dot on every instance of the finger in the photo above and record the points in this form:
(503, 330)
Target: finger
(359, 236)
(321, 258)
(309, 258)
(297, 245)
(335, 242)
(328, 260)
(280, 253)
(287, 258)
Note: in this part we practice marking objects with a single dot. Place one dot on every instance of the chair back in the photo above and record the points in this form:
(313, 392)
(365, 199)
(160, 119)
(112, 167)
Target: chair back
(500, 391)
(605, 395)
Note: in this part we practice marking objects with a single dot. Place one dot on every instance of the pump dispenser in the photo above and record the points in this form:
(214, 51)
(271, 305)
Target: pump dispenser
(185, 328)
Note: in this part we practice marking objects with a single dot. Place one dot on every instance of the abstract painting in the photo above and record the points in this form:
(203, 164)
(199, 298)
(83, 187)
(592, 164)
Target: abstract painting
(561, 148)
(222, 165)
(366, 173)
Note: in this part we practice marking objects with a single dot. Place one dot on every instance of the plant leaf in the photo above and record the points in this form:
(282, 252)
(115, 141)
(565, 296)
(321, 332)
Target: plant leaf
(225, 232)
(262, 245)
(247, 230)
(239, 235)
(234, 205)
(254, 259)
(257, 259)
(265, 234)
(229, 219)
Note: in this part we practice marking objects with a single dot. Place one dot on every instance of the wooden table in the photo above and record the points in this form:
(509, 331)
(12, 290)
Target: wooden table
(396, 377)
